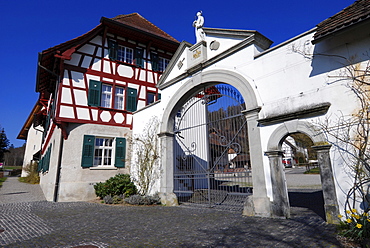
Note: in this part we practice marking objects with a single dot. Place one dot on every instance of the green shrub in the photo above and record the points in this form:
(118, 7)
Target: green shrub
(2, 179)
(143, 200)
(118, 185)
(32, 174)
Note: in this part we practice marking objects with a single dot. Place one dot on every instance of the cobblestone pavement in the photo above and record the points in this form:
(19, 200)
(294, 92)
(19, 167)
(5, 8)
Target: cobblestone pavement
(82, 224)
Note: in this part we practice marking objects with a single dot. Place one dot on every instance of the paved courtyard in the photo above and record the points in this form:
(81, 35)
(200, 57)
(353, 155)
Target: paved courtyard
(27, 220)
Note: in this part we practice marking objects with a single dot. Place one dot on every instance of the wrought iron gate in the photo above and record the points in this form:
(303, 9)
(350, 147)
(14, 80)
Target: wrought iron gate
(212, 165)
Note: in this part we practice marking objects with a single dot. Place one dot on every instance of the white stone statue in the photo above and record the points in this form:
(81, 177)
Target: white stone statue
(198, 24)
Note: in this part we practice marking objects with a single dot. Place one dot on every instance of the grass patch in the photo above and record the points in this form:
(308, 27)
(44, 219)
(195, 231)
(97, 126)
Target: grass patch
(2, 179)
(12, 167)
(315, 170)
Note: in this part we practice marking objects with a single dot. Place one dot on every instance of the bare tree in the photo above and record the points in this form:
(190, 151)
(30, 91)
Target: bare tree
(350, 134)
(146, 157)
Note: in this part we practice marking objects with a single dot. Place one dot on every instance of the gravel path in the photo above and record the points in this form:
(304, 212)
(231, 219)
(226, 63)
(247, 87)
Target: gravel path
(31, 221)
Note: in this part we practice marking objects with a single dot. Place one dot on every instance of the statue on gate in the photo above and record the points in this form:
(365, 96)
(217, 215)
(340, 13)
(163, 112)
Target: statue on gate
(198, 24)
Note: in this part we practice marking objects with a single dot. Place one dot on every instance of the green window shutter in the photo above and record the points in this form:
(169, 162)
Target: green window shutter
(88, 151)
(120, 153)
(131, 99)
(40, 165)
(44, 161)
(47, 123)
(94, 93)
(139, 57)
(159, 96)
(155, 62)
(112, 49)
(47, 162)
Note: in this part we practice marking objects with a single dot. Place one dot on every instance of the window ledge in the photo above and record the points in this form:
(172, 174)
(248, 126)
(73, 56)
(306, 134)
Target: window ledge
(103, 168)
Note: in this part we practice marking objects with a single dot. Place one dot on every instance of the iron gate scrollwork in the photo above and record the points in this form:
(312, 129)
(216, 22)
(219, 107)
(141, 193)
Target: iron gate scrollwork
(212, 165)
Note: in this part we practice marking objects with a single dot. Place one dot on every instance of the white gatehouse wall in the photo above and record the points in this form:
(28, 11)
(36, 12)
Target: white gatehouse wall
(291, 83)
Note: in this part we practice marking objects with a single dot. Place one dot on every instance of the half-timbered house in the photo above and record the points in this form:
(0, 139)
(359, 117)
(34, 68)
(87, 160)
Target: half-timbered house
(88, 89)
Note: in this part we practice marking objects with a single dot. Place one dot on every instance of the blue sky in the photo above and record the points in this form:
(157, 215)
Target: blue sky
(28, 27)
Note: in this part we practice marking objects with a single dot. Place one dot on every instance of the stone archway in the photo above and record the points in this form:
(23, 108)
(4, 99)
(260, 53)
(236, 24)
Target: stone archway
(259, 204)
(280, 203)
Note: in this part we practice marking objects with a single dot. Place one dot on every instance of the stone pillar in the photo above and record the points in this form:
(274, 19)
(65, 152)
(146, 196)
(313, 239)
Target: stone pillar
(327, 182)
(259, 203)
(166, 194)
(280, 205)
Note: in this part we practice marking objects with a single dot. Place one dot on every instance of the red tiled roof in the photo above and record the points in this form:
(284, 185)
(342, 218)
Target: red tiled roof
(353, 14)
(137, 21)
(134, 22)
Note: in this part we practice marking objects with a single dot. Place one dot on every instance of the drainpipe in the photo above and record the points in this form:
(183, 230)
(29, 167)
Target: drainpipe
(59, 168)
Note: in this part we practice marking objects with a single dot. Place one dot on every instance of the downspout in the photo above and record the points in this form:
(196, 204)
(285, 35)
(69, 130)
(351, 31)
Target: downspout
(63, 136)
(59, 167)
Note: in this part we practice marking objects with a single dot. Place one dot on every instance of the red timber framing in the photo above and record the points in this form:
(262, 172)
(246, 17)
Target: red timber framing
(65, 95)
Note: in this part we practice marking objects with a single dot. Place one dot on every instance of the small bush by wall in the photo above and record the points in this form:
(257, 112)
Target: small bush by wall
(119, 185)
(143, 200)
(32, 174)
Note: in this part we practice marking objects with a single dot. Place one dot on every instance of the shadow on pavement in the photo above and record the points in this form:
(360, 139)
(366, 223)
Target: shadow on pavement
(312, 200)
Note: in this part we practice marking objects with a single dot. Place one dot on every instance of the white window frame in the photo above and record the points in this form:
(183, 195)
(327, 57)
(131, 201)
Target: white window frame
(104, 152)
(119, 98)
(162, 63)
(106, 96)
(125, 54)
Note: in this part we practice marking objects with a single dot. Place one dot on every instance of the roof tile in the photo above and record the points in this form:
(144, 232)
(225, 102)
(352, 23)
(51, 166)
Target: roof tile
(353, 14)
(139, 22)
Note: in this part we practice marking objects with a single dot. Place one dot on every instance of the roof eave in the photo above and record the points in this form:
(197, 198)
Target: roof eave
(105, 20)
(24, 131)
(341, 30)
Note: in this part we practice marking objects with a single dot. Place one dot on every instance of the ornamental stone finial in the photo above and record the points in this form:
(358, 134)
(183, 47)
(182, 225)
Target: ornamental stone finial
(198, 25)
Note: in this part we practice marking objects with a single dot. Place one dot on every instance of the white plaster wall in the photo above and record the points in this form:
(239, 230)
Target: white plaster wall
(33, 145)
(76, 183)
(225, 43)
(141, 119)
(47, 179)
(285, 79)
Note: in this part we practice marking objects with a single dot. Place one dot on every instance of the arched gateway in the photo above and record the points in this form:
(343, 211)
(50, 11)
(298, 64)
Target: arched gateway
(259, 203)
(280, 204)
(174, 180)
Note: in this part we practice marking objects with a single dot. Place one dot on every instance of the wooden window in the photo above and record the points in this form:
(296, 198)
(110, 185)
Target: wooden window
(103, 151)
(125, 54)
(162, 63)
(158, 63)
(106, 96)
(101, 95)
(119, 97)
(98, 151)
(131, 99)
